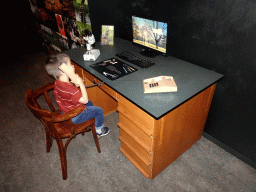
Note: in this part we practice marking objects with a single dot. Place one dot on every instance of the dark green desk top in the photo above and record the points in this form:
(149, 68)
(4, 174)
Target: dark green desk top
(190, 79)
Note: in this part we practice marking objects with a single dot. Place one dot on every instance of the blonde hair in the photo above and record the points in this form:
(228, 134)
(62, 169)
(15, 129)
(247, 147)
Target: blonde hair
(52, 67)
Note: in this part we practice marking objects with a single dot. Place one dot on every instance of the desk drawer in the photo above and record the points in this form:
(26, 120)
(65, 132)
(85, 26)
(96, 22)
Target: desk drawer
(144, 155)
(136, 113)
(131, 154)
(108, 90)
(136, 133)
(90, 77)
(103, 86)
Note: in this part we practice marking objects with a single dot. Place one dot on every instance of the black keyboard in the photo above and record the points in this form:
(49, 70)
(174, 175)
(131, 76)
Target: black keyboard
(136, 60)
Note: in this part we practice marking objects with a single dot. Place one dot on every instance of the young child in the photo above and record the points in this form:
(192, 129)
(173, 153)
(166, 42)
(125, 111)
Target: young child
(69, 97)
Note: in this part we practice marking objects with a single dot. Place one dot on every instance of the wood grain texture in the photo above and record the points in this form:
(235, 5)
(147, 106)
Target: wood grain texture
(150, 144)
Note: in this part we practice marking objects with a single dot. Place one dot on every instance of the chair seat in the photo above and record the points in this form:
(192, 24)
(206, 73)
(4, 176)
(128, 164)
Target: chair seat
(64, 127)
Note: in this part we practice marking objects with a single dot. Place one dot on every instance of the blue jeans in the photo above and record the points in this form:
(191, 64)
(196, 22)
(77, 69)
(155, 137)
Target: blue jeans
(90, 112)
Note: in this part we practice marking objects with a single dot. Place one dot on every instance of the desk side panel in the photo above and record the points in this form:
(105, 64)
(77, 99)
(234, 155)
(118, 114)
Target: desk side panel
(177, 131)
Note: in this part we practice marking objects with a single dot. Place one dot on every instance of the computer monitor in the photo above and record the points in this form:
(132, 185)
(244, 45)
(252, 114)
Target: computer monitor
(150, 34)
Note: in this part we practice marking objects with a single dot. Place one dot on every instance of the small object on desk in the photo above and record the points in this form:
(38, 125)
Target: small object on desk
(113, 61)
(99, 64)
(106, 74)
(112, 68)
(107, 35)
(91, 55)
(129, 68)
(120, 69)
(124, 70)
(159, 84)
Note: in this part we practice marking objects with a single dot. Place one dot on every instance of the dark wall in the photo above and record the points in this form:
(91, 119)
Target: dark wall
(219, 35)
(22, 33)
(21, 37)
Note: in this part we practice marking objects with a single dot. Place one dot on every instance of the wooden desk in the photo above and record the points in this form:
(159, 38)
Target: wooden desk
(151, 143)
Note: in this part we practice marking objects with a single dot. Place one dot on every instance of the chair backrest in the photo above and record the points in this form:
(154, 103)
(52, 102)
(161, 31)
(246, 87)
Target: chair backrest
(31, 101)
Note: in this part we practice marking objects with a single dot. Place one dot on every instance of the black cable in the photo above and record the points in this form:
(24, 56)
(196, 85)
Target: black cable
(89, 86)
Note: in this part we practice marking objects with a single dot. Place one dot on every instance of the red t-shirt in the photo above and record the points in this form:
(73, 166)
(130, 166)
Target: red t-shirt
(67, 96)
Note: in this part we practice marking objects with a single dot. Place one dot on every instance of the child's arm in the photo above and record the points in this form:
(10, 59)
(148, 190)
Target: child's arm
(77, 81)
(84, 98)
(65, 69)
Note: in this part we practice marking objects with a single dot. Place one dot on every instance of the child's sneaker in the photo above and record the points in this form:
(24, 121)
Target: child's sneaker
(104, 131)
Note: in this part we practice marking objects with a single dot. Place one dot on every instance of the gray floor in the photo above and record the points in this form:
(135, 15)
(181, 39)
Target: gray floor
(25, 165)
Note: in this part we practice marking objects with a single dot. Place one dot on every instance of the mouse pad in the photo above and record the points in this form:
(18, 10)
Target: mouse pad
(113, 68)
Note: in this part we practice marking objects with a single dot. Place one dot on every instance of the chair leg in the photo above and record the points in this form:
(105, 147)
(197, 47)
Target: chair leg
(95, 138)
(48, 141)
(63, 159)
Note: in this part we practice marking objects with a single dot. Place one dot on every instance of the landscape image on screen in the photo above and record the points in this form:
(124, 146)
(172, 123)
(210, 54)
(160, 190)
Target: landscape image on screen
(152, 34)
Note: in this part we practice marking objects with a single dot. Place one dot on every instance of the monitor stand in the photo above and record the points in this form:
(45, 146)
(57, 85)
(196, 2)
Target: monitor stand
(149, 52)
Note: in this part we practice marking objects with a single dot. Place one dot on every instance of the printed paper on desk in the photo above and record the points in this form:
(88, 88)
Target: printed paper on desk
(160, 84)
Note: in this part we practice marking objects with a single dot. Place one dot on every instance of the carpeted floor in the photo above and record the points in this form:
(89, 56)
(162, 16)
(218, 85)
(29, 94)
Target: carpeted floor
(25, 165)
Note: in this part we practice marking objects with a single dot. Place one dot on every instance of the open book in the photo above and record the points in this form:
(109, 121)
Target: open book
(159, 84)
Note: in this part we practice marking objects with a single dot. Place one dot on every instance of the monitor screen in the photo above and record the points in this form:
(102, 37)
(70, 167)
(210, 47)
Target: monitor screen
(150, 33)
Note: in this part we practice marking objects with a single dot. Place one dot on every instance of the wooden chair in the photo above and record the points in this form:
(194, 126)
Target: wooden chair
(58, 125)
